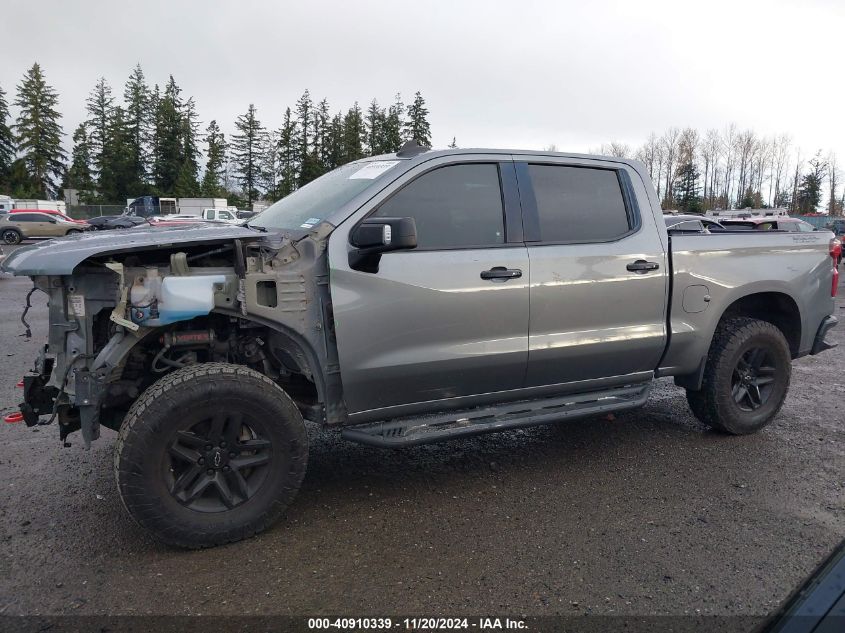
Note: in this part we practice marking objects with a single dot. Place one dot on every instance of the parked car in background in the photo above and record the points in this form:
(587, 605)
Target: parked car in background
(108, 222)
(16, 227)
(220, 215)
(52, 212)
(691, 222)
(768, 223)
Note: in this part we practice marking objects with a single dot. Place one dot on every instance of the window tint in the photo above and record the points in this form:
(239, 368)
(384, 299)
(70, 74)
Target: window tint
(458, 205)
(578, 204)
(28, 217)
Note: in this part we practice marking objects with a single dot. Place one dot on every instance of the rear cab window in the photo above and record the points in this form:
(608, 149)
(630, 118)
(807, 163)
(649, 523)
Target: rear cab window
(579, 204)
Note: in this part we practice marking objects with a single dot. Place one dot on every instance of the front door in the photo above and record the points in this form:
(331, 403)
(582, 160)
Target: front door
(598, 274)
(440, 322)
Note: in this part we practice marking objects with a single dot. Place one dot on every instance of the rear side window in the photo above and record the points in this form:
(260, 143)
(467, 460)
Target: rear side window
(28, 217)
(453, 206)
(579, 204)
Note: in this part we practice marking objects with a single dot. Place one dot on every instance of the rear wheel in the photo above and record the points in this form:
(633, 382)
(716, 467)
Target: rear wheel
(210, 454)
(745, 379)
(11, 236)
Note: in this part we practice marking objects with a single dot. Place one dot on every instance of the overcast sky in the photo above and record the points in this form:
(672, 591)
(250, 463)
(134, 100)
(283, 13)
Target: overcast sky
(494, 74)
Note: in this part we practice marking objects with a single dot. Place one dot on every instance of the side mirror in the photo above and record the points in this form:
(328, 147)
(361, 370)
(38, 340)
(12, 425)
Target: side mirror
(375, 236)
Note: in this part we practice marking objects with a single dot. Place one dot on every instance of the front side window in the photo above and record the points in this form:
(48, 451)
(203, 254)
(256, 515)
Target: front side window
(453, 206)
(579, 204)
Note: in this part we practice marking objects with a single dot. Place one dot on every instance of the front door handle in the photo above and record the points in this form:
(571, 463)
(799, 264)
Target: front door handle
(642, 266)
(500, 272)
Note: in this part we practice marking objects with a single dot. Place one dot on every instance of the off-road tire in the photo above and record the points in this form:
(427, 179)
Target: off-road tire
(11, 236)
(714, 403)
(144, 447)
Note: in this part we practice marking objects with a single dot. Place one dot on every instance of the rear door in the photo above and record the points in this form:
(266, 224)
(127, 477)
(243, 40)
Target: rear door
(440, 323)
(598, 273)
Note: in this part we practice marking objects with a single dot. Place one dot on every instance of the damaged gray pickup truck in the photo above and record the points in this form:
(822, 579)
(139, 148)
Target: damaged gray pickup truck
(406, 299)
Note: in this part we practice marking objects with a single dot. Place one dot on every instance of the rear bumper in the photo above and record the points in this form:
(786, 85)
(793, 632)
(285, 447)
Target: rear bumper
(819, 344)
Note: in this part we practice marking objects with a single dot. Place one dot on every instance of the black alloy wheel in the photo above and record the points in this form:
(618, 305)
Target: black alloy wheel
(218, 463)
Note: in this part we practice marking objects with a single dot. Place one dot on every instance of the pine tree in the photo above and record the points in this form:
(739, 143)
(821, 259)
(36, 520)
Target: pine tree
(324, 135)
(39, 133)
(100, 106)
(246, 147)
(686, 188)
(168, 144)
(393, 125)
(309, 162)
(117, 178)
(354, 135)
(212, 181)
(417, 127)
(7, 142)
(79, 176)
(286, 147)
(335, 152)
(810, 188)
(139, 120)
(186, 182)
(376, 128)
(453, 144)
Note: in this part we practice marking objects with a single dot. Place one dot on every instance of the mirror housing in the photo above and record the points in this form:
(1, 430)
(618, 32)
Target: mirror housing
(374, 236)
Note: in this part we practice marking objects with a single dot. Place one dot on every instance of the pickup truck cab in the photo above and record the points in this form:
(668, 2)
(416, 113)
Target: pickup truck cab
(404, 299)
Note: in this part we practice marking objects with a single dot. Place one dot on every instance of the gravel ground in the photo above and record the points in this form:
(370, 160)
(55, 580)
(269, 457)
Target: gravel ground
(647, 513)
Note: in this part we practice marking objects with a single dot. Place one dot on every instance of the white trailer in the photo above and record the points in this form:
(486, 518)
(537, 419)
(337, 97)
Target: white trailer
(7, 203)
(195, 206)
(47, 205)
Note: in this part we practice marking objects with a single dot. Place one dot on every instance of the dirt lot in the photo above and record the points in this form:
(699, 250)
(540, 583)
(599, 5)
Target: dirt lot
(649, 513)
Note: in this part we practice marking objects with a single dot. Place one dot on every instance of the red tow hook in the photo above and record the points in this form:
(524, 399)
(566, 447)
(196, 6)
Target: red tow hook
(20, 384)
(13, 418)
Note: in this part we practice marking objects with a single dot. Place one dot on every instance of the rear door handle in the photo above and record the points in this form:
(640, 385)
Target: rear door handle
(642, 266)
(500, 272)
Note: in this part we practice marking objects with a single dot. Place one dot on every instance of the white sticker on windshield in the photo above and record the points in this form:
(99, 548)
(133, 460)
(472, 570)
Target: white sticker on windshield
(373, 170)
(309, 223)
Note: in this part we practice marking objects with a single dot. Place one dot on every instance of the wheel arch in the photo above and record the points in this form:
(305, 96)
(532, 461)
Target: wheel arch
(773, 306)
(777, 308)
(118, 350)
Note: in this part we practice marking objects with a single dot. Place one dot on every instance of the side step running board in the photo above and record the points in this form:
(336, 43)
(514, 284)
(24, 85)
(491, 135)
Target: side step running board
(426, 429)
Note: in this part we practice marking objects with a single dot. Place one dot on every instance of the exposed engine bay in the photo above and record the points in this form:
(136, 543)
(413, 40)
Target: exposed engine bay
(122, 320)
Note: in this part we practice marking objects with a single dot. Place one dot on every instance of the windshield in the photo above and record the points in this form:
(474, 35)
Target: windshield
(311, 204)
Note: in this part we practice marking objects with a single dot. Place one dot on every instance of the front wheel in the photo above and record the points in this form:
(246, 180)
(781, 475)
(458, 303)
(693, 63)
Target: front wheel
(210, 454)
(73, 232)
(746, 377)
(11, 236)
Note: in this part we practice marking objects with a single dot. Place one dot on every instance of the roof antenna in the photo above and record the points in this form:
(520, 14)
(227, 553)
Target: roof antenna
(411, 148)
